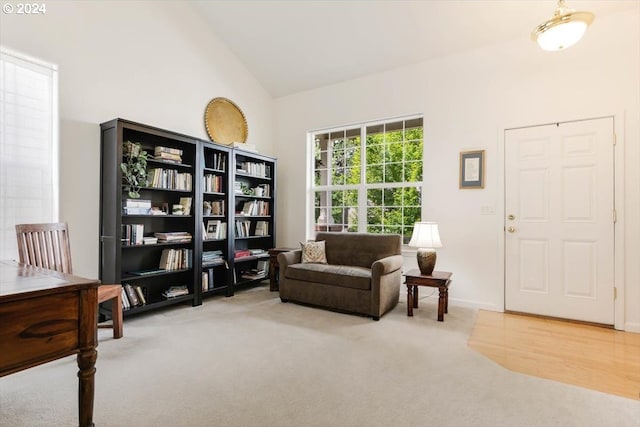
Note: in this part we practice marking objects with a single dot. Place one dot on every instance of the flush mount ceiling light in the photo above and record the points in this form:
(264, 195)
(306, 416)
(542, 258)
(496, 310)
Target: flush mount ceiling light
(563, 30)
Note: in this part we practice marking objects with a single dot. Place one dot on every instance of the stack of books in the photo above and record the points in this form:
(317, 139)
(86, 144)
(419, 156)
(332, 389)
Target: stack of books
(175, 291)
(211, 258)
(173, 237)
(136, 207)
(241, 253)
(167, 154)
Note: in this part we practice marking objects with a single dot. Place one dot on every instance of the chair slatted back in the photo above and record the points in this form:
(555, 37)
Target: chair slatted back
(45, 245)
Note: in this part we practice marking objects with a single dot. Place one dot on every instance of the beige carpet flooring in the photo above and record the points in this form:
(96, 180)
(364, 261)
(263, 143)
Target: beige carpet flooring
(251, 360)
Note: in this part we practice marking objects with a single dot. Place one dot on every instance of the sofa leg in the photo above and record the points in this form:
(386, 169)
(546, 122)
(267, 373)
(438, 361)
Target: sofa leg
(284, 299)
(376, 318)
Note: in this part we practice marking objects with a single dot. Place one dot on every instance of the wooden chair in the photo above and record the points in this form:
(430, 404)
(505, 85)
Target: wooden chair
(47, 246)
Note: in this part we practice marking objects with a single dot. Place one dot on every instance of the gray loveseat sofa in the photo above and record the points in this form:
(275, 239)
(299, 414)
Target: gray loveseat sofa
(362, 275)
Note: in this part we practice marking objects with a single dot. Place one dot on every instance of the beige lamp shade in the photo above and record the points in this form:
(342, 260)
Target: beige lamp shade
(425, 235)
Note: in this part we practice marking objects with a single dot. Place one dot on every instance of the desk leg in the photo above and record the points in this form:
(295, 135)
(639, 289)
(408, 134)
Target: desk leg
(441, 303)
(87, 355)
(410, 289)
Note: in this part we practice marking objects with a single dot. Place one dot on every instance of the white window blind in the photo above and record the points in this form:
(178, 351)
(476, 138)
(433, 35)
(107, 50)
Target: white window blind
(28, 145)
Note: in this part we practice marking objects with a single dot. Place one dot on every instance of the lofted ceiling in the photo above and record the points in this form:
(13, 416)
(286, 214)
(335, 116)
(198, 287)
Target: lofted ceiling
(293, 46)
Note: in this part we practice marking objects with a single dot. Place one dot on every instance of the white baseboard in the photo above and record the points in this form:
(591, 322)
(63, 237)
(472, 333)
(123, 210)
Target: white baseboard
(479, 305)
(632, 327)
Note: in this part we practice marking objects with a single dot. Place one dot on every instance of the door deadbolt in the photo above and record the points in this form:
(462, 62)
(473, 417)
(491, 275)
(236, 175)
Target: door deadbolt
(511, 217)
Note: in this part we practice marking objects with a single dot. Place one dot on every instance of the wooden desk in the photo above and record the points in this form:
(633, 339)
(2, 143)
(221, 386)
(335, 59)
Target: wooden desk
(437, 279)
(44, 316)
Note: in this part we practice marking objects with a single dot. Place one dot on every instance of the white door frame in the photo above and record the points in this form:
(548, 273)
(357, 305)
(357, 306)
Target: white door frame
(618, 197)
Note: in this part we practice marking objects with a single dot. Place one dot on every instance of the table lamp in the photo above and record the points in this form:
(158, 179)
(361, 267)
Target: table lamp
(426, 238)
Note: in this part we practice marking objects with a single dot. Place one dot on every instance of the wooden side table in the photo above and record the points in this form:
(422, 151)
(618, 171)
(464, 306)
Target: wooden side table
(274, 267)
(437, 279)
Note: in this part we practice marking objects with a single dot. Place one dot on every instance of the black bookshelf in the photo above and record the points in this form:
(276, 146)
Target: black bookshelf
(215, 171)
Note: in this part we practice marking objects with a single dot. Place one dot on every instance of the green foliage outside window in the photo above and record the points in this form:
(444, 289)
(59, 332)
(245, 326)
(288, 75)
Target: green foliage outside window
(392, 156)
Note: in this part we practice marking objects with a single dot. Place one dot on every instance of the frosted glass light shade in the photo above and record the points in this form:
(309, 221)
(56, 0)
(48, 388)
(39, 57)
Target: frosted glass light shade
(425, 235)
(563, 30)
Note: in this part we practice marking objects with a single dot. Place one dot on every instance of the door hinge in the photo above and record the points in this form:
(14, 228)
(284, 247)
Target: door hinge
(615, 293)
(615, 216)
(615, 139)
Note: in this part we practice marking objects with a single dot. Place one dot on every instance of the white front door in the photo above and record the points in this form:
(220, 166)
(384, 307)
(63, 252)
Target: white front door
(559, 225)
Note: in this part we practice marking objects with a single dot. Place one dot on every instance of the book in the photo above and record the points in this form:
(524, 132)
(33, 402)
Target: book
(131, 294)
(146, 272)
(140, 294)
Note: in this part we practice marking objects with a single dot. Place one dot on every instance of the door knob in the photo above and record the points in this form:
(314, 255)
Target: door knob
(511, 230)
(511, 217)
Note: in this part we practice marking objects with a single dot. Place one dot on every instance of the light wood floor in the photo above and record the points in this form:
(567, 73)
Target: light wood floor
(588, 356)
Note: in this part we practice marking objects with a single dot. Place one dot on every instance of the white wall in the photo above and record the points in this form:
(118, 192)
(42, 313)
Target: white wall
(151, 62)
(467, 101)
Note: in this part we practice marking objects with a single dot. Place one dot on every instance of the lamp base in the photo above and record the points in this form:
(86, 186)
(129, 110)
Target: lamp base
(426, 260)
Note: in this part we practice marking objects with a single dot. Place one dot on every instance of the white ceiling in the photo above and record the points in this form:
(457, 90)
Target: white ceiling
(292, 46)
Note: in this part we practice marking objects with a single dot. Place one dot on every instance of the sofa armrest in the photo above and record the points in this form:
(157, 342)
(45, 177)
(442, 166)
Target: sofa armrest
(386, 265)
(285, 259)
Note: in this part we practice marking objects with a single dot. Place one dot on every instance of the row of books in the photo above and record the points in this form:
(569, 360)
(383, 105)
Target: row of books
(217, 207)
(214, 230)
(176, 259)
(167, 154)
(260, 170)
(169, 179)
(255, 207)
(132, 234)
(262, 228)
(133, 296)
(243, 228)
(213, 183)
(219, 162)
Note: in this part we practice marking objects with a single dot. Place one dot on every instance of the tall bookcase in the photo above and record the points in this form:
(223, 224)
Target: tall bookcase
(204, 254)
(254, 226)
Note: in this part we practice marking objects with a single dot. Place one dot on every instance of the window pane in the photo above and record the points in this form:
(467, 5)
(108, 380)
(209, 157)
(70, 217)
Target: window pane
(351, 197)
(375, 174)
(413, 172)
(412, 196)
(393, 197)
(375, 154)
(352, 175)
(393, 152)
(374, 215)
(374, 197)
(337, 198)
(392, 216)
(412, 151)
(393, 173)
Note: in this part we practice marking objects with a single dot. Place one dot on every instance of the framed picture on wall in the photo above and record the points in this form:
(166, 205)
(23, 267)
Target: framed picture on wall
(472, 169)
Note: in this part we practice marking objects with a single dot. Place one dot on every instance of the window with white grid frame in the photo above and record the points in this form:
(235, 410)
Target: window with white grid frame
(28, 145)
(368, 177)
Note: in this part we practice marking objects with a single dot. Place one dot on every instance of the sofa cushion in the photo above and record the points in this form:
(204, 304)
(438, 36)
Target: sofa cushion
(336, 275)
(313, 252)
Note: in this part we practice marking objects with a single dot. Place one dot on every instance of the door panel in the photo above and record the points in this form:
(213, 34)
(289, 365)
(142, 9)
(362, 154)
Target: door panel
(559, 252)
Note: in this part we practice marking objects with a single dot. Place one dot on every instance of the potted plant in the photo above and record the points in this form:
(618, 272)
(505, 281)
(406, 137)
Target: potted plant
(134, 168)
